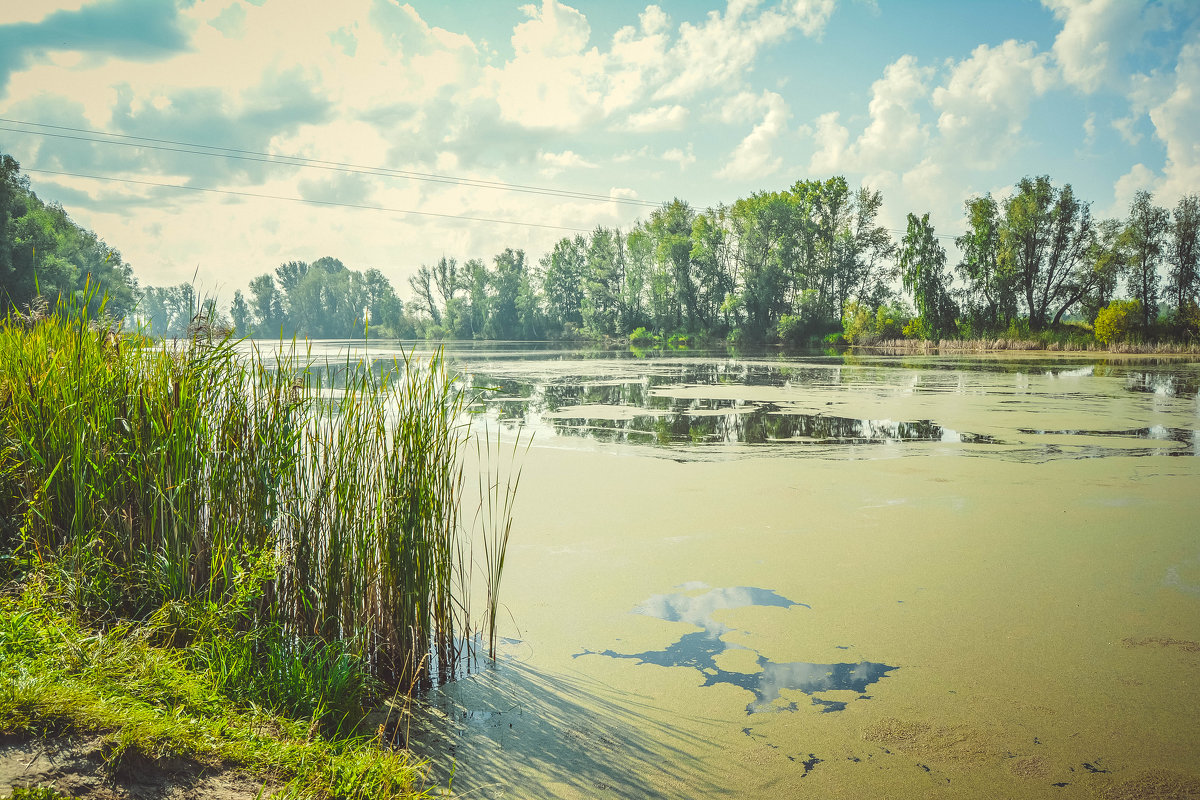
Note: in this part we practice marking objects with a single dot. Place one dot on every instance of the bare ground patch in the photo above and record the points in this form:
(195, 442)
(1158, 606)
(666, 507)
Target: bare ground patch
(77, 767)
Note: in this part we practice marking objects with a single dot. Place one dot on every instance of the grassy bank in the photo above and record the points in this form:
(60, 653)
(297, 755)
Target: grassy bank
(226, 538)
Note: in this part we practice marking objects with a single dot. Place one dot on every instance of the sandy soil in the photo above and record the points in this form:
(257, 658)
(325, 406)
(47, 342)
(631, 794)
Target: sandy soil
(75, 767)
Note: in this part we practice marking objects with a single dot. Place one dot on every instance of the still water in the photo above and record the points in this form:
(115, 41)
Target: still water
(837, 576)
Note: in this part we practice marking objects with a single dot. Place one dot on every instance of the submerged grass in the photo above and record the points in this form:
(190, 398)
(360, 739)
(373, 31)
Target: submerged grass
(292, 534)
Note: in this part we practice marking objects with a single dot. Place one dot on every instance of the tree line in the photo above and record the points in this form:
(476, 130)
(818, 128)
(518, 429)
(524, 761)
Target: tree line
(42, 252)
(809, 262)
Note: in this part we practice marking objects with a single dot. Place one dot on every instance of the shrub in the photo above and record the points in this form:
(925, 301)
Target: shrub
(641, 338)
(1117, 321)
(890, 319)
(858, 324)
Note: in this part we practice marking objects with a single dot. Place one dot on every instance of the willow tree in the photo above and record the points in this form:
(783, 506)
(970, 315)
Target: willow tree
(1184, 253)
(1045, 237)
(922, 265)
(989, 299)
(1145, 238)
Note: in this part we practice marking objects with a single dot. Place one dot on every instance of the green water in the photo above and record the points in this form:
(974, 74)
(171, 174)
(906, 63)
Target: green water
(838, 577)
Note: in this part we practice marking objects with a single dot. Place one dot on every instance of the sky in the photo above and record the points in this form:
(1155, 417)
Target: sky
(211, 140)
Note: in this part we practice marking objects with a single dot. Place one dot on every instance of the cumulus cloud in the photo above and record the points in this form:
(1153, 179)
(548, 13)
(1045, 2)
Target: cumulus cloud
(657, 118)
(755, 156)
(145, 30)
(554, 163)
(1124, 126)
(720, 50)
(1098, 35)
(1177, 124)
(895, 132)
(681, 157)
(558, 79)
(986, 99)
(553, 80)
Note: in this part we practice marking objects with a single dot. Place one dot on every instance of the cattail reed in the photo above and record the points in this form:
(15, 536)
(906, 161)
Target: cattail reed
(322, 503)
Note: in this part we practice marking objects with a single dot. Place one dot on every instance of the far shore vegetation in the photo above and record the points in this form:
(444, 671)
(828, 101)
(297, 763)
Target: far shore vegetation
(806, 265)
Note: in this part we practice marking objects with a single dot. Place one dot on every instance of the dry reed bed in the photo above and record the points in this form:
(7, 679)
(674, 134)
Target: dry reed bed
(933, 347)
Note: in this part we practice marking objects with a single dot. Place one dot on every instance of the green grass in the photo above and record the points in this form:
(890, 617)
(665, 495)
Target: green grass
(150, 702)
(209, 523)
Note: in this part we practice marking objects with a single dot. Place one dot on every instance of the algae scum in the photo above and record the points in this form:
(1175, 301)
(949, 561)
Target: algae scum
(893, 577)
(700, 651)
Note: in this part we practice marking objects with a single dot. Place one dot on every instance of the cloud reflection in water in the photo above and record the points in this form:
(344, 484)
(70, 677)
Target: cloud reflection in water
(699, 650)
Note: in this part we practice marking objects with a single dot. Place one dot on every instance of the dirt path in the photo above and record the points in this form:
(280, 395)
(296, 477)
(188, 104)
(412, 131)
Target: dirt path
(75, 767)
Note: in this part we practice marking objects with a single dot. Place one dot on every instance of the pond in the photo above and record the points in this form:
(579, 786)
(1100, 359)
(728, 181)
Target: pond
(835, 575)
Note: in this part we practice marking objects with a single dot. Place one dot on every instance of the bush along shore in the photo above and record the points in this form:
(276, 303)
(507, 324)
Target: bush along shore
(229, 558)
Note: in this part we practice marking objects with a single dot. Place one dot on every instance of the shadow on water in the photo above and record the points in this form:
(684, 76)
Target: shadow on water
(700, 651)
(513, 732)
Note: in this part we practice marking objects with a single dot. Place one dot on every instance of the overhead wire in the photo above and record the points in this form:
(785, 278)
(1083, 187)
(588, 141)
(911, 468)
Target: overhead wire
(192, 148)
(264, 196)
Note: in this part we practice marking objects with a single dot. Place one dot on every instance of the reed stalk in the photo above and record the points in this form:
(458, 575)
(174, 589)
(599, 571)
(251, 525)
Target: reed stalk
(217, 490)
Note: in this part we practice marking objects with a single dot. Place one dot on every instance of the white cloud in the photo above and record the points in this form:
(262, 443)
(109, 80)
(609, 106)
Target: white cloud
(754, 157)
(1124, 126)
(1177, 124)
(36, 12)
(1097, 36)
(832, 141)
(653, 20)
(895, 132)
(680, 157)
(722, 49)
(1089, 129)
(567, 159)
(630, 155)
(986, 99)
(1139, 177)
(736, 109)
(657, 118)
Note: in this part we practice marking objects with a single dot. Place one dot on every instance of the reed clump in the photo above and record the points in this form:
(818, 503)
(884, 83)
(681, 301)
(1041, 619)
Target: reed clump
(297, 530)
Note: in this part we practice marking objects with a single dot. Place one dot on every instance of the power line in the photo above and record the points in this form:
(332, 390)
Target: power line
(191, 148)
(310, 202)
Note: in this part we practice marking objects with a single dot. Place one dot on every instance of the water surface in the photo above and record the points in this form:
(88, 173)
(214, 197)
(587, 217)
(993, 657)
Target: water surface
(837, 576)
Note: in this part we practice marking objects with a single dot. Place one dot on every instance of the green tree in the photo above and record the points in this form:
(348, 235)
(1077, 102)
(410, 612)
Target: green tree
(478, 300)
(922, 266)
(865, 255)
(266, 305)
(42, 251)
(1145, 243)
(670, 228)
(168, 311)
(422, 285)
(239, 314)
(715, 266)
(1183, 256)
(603, 274)
(1108, 259)
(989, 301)
(1045, 237)
(507, 277)
(766, 230)
(563, 270)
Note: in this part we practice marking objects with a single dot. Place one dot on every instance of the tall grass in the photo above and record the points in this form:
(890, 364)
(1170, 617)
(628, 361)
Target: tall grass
(286, 516)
